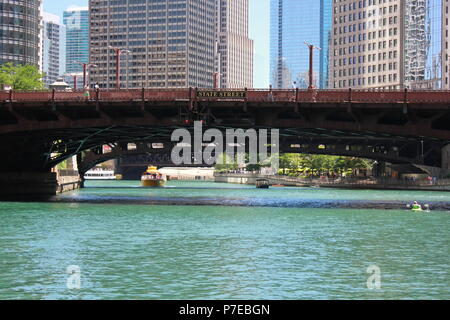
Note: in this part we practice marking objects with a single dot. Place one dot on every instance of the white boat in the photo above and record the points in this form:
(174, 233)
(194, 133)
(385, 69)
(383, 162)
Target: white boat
(98, 174)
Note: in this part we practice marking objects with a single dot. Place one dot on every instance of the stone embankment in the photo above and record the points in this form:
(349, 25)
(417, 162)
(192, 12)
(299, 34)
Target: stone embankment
(349, 183)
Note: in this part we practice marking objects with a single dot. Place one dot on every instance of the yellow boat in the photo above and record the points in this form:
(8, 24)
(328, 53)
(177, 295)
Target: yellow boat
(153, 178)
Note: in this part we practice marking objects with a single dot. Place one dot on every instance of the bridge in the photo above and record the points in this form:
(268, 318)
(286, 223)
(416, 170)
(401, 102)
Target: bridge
(38, 130)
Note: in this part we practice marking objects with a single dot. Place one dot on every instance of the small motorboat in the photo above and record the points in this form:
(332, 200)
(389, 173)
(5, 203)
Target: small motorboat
(262, 184)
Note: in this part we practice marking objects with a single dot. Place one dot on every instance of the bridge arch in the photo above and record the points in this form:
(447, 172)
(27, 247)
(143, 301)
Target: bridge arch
(38, 130)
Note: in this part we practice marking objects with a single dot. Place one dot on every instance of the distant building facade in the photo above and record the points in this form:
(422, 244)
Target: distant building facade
(445, 45)
(389, 44)
(294, 22)
(235, 48)
(53, 42)
(170, 43)
(76, 21)
(20, 29)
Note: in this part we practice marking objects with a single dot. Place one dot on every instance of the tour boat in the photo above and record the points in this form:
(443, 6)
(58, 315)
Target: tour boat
(262, 184)
(153, 178)
(98, 174)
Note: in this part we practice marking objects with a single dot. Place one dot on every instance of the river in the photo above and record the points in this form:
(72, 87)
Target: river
(202, 240)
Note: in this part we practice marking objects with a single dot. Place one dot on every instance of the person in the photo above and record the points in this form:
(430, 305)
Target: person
(416, 206)
(97, 87)
(86, 93)
(270, 96)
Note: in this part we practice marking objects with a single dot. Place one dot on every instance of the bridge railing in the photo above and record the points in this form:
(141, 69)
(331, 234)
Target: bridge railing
(36, 96)
(69, 96)
(122, 95)
(252, 95)
(168, 95)
(67, 173)
(4, 95)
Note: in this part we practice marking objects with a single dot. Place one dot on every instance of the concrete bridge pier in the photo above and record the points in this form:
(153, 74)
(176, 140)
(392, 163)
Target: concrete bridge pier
(28, 184)
(82, 180)
(445, 161)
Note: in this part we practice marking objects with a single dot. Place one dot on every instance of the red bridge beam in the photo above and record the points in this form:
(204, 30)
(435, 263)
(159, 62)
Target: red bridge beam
(251, 95)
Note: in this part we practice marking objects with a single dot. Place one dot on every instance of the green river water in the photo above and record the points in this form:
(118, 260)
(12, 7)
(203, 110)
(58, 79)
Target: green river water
(198, 240)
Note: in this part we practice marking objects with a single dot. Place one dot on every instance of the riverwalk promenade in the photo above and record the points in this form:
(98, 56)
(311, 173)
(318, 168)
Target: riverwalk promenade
(346, 183)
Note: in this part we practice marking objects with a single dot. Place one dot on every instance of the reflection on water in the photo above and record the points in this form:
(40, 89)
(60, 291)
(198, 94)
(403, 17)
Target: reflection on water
(128, 249)
(208, 193)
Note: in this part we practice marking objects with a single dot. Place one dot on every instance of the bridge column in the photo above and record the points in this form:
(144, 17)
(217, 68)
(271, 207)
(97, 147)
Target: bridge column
(82, 180)
(446, 160)
(28, 184)
(379, 169)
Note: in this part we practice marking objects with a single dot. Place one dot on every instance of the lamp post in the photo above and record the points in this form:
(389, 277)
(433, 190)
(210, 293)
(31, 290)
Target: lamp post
(85, 67)
(74, 77)
(118, 52)
(311, 64)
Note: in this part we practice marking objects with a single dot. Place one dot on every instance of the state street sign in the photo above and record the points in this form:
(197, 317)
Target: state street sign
(222, 94)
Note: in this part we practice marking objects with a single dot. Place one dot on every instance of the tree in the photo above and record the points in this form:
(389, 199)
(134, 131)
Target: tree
(225, 163)
(317, 165)
(20, 77)
(289, 163)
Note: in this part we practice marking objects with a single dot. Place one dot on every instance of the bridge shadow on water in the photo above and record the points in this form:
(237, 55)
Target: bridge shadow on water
(221, 200)
(174, 188)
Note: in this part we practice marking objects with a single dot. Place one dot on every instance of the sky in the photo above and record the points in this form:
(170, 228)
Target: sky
(259, 32)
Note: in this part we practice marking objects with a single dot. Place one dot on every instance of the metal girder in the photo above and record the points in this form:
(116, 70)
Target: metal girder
(73, 126)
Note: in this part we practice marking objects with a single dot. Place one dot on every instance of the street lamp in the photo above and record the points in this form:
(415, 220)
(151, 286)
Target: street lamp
(85, 67)
(118, 52)
(311, 65)
(74, 77)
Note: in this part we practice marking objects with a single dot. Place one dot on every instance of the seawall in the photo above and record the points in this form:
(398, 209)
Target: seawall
(67, 180)
(357, 183)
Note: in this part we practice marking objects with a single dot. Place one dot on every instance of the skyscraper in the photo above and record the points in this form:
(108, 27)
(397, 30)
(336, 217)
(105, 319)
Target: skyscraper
(235, 48)
(390, 44)
(423, 44)
(76, 20)
(19, 31)
(445, 45)
(164, 44)
(53, 42)
(294, 22)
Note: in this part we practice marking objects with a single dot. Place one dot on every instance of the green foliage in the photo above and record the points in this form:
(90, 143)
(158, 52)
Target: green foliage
(62, 165)
(20, 77)
(225, 163)
(316, 165)
(294, 164)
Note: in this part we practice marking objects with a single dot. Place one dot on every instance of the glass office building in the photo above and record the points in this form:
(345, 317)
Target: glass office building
(423, 44)
(294, 22)
(19, 31)
(390, 45)
(76, 21)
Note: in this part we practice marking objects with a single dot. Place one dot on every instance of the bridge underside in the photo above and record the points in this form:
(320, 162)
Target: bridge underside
(40, 151)
(36, 136)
